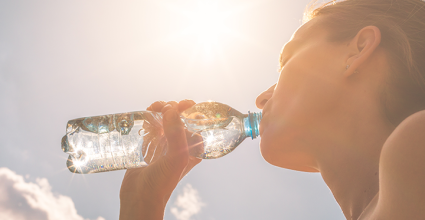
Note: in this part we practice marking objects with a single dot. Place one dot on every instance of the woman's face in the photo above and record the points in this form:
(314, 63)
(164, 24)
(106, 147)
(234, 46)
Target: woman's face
(298, 106)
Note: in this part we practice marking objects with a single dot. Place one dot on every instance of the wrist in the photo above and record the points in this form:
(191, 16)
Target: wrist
(148, 208)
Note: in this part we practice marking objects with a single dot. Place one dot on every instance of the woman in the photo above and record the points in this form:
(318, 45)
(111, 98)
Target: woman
(348, 103)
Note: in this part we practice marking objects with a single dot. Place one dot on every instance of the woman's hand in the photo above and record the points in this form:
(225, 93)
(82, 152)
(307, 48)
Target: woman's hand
(145, 191)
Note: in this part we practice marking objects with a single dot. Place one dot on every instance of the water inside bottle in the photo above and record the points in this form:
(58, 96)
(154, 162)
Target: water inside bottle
(220, 126)
(136, 139)
(113, 142)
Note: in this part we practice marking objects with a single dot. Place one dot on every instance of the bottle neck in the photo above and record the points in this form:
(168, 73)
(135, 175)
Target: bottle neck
(251, 124)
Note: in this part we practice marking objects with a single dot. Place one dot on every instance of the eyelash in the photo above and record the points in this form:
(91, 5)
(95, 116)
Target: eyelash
(283, 63)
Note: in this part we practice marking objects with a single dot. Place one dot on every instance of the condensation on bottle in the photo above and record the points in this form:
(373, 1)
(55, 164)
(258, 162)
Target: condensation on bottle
(136, 139)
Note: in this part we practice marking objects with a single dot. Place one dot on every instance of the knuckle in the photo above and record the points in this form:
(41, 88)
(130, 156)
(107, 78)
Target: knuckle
(172, 103)
(158, 103)
(166, 109)
(185, 104)
(157, 106)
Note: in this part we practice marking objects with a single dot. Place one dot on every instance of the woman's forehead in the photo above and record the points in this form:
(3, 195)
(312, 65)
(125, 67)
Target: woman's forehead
(306, 30)
(309, 30)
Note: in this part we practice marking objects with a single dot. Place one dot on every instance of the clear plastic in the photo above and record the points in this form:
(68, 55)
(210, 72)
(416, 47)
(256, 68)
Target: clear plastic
(136, 139)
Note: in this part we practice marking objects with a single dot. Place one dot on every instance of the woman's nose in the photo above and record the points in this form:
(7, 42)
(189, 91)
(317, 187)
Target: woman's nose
(264, 97)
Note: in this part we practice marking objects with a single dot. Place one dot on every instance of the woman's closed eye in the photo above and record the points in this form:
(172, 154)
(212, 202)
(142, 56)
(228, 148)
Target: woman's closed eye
(283, 61)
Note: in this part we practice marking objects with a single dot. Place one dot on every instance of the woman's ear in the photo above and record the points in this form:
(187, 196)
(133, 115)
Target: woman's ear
(361, 47)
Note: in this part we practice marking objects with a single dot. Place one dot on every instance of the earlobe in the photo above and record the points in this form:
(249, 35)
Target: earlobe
(361, 47)
(348, 67)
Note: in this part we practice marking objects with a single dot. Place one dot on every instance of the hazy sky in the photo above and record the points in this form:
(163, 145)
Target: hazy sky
(61, 60)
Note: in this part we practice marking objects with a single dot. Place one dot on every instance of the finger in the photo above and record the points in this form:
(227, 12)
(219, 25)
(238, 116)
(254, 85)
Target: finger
(185, 104)
(170, 105)
(176, 138)
(174, 104)
(166, 108)
(157, 106)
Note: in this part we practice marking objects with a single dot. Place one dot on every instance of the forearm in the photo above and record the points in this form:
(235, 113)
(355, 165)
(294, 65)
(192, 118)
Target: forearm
(142, 210)
(145, 191)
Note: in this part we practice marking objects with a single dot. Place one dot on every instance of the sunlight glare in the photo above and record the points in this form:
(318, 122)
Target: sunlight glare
(78, 164)
(207, 24)
(209, 139)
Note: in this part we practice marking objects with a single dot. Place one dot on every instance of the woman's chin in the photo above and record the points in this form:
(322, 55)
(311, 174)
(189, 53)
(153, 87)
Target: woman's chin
(282, 152)
(269, 149)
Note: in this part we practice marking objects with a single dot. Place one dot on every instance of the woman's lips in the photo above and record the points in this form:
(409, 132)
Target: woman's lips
(262, 123)
(265, 114)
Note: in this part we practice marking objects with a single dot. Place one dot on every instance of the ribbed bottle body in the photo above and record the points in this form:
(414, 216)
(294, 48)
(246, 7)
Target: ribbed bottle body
(113, 142)
(136, 139)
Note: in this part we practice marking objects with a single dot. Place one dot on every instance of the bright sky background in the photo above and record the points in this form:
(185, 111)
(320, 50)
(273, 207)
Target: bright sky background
(61, 60)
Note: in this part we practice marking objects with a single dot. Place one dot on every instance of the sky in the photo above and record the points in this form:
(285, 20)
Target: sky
(61, 60)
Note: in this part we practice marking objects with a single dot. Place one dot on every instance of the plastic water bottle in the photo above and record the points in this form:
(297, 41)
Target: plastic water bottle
(136, 139)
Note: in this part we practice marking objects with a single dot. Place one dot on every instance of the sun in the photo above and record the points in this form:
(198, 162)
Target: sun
(208, 24)
(205, 25)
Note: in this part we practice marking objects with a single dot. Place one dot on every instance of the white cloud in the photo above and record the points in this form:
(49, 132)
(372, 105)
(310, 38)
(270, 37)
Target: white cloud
(20, 200)
(187, 204)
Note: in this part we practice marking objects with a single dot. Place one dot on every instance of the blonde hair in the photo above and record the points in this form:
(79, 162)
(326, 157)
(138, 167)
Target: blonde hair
(402, 26)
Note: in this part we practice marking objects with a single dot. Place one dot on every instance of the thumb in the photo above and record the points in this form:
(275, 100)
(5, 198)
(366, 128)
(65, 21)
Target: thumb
(177, 153)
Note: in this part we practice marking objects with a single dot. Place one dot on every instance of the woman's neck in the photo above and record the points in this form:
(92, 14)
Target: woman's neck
(354, 182)
(350, 165)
